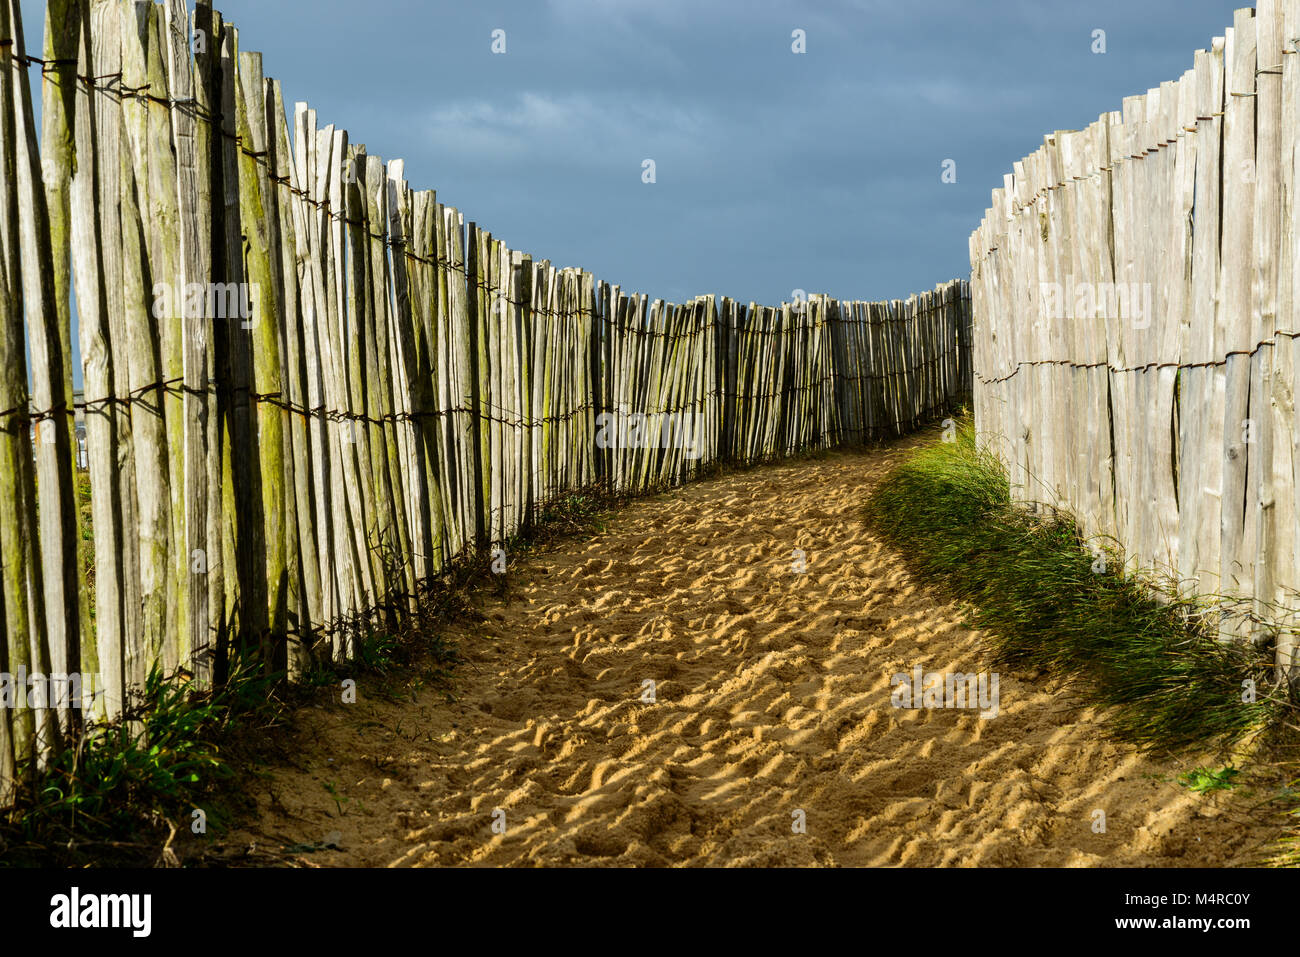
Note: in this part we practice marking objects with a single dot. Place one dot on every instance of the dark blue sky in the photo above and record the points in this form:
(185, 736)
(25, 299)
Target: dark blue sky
(775, 171)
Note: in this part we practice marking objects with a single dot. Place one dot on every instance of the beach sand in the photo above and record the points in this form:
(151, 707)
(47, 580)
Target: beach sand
(772, 705)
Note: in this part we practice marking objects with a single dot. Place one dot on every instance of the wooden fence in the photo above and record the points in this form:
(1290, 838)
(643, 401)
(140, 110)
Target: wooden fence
(1135, 288)
(308, 388)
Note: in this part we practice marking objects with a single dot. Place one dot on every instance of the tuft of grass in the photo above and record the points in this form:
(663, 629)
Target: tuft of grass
(1288, 851)
(1046, 602)
(406, 653)
(577, 515)
(121, 790)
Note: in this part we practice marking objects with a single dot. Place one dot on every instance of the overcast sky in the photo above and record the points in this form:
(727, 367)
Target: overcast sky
(775, 170)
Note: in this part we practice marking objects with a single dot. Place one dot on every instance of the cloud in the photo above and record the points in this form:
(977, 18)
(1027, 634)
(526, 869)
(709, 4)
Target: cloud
(625, 12)
(573, 127)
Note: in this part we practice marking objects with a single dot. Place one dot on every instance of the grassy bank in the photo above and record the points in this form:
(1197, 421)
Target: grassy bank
(1045, 601)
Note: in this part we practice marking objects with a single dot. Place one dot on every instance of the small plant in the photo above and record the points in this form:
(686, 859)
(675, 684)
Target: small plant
(1205, 780)
(340, 802)
(581, 513)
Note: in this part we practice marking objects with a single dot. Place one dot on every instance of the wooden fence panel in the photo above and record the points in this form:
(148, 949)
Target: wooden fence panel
(309, 389)
(1169, 232)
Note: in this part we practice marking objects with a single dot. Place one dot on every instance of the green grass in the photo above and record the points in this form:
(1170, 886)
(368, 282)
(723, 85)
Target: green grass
(1205, 780)
(118, 793)
(1044, 602)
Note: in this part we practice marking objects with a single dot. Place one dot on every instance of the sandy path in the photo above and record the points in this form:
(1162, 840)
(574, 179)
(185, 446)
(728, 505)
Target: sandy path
(772, 695)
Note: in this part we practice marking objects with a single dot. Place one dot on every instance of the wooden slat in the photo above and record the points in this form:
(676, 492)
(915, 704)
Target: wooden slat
(305, 612)
(55, 612)
(1262, 492)
(20, 570)
(266, 607)
(51, 334)
(142, 355)
(1286, 553)
(1234, 323)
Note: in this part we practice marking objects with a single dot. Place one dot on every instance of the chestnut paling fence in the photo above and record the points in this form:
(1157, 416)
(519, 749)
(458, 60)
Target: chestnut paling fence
(1135, 287)
(307, 388)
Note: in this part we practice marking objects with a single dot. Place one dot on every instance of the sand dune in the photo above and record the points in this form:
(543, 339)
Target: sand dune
(771, 696)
